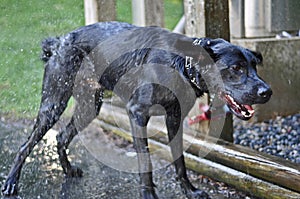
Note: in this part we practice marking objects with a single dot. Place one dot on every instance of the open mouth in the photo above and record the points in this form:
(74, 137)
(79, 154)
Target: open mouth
(242, 111)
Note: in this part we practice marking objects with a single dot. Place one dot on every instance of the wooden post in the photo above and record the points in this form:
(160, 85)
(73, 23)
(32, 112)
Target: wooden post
(210, 18)
(99, 10)
(217, 25)
(90, 11)
(194, 13)
(148, 12)
(154, 13)
(217, 19)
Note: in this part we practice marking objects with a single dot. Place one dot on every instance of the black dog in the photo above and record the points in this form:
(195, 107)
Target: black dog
(145, 67)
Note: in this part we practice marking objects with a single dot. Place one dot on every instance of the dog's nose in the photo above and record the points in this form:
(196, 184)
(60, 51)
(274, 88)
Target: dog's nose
(264, 92)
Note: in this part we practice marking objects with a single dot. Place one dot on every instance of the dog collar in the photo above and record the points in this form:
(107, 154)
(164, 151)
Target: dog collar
(189, 70)
(199, 42)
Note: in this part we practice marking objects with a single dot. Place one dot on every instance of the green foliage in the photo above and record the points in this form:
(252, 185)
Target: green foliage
(23, 24)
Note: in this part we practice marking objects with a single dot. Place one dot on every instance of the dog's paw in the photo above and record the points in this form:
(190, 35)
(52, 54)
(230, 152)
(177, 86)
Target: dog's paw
(148, 194)
(10, 187)
(74, 172)
(197, 194)
(191, 192)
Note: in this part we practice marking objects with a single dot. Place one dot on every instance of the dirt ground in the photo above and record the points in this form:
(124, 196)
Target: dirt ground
(42, 176)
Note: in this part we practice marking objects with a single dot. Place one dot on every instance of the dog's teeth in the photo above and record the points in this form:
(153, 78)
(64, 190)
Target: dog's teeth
(237, 105)
(233, 101)
(246, 114)
(251, 111)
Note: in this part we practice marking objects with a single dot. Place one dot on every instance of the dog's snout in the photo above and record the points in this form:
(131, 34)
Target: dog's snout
(264, 92)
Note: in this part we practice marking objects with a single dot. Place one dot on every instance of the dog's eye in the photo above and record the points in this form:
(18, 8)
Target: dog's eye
(237, 68)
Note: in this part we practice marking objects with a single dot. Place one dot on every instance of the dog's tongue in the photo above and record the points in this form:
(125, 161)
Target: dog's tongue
(242, 111)
(249, 108)
(248, 112)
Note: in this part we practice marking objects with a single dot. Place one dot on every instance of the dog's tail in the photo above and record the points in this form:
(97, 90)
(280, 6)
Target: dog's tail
(49, 46)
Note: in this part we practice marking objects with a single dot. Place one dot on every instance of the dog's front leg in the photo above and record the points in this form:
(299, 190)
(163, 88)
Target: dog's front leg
(175, 133)
(139, 134)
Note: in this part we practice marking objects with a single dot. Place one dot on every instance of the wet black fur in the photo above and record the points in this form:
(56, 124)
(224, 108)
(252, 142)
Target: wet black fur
(64, 56)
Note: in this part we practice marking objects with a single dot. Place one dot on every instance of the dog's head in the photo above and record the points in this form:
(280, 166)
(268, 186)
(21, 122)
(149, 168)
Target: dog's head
(237, 67)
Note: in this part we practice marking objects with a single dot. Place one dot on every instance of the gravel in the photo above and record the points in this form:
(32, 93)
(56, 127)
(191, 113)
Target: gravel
(278, 137)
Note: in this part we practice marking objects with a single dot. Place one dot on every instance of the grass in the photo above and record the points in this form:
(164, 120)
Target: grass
(23, 25)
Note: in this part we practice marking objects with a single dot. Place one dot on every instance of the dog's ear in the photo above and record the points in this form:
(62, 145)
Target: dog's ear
(206, 44)
(211, 46)
(187, 45)
(258, 57)
(48, 46)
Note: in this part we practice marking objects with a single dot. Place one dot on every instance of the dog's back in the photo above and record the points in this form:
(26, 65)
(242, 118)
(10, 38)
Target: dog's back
(86, 38)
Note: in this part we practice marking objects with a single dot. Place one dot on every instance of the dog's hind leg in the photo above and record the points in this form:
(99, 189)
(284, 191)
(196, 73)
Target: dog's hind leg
(61, 66)
(63, 140)
(175, 132)
(65, 137)
(47, 117)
